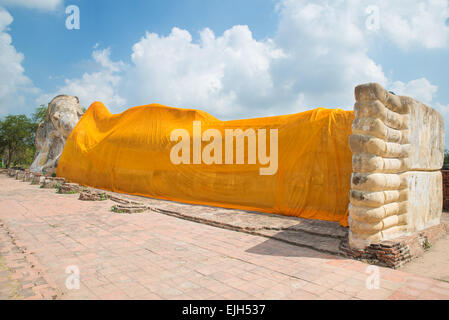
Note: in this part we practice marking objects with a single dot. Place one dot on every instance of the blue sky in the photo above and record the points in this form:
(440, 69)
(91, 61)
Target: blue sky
(233, 59)
(52, 50)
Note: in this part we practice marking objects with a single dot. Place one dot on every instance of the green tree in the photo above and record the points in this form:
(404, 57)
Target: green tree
(17, 134)
(446, 159)
(40, 114)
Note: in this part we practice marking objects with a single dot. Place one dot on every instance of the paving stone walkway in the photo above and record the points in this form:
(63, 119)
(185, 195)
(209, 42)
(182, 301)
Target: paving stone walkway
(48, 237)
(21, 276)
(434, 263)
(323, 236)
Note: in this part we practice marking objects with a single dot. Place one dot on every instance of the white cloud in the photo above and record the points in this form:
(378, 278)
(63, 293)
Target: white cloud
(318, 54)
(328, 52)
(416, 23)
(443, 109)
(420, 89)
(33, 4)
(96, 86)
(13, 83)
(226, 75)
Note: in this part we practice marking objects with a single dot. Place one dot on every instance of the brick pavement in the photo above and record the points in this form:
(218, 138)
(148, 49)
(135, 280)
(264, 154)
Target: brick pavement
(155, 256)
(434, 264)
(21, 275)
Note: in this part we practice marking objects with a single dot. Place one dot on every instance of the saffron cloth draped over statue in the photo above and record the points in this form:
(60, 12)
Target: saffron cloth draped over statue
(297, 165)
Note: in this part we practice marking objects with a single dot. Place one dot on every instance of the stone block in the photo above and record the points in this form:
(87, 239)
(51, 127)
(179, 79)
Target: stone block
(398, 151)
(50, 182)
(62, 116)
(69, 188)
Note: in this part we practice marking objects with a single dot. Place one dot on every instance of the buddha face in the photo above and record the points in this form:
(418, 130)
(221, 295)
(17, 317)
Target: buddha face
(63, 114)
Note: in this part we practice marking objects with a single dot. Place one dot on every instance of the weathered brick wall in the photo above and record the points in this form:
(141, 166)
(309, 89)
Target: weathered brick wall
(445, 189)
(396, 252)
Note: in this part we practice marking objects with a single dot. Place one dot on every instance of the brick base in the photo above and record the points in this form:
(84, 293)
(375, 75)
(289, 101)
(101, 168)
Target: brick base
(445, 174)
(52, 182)
(89, 195)
(397, 252)
(129, 208)
(68, 188)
